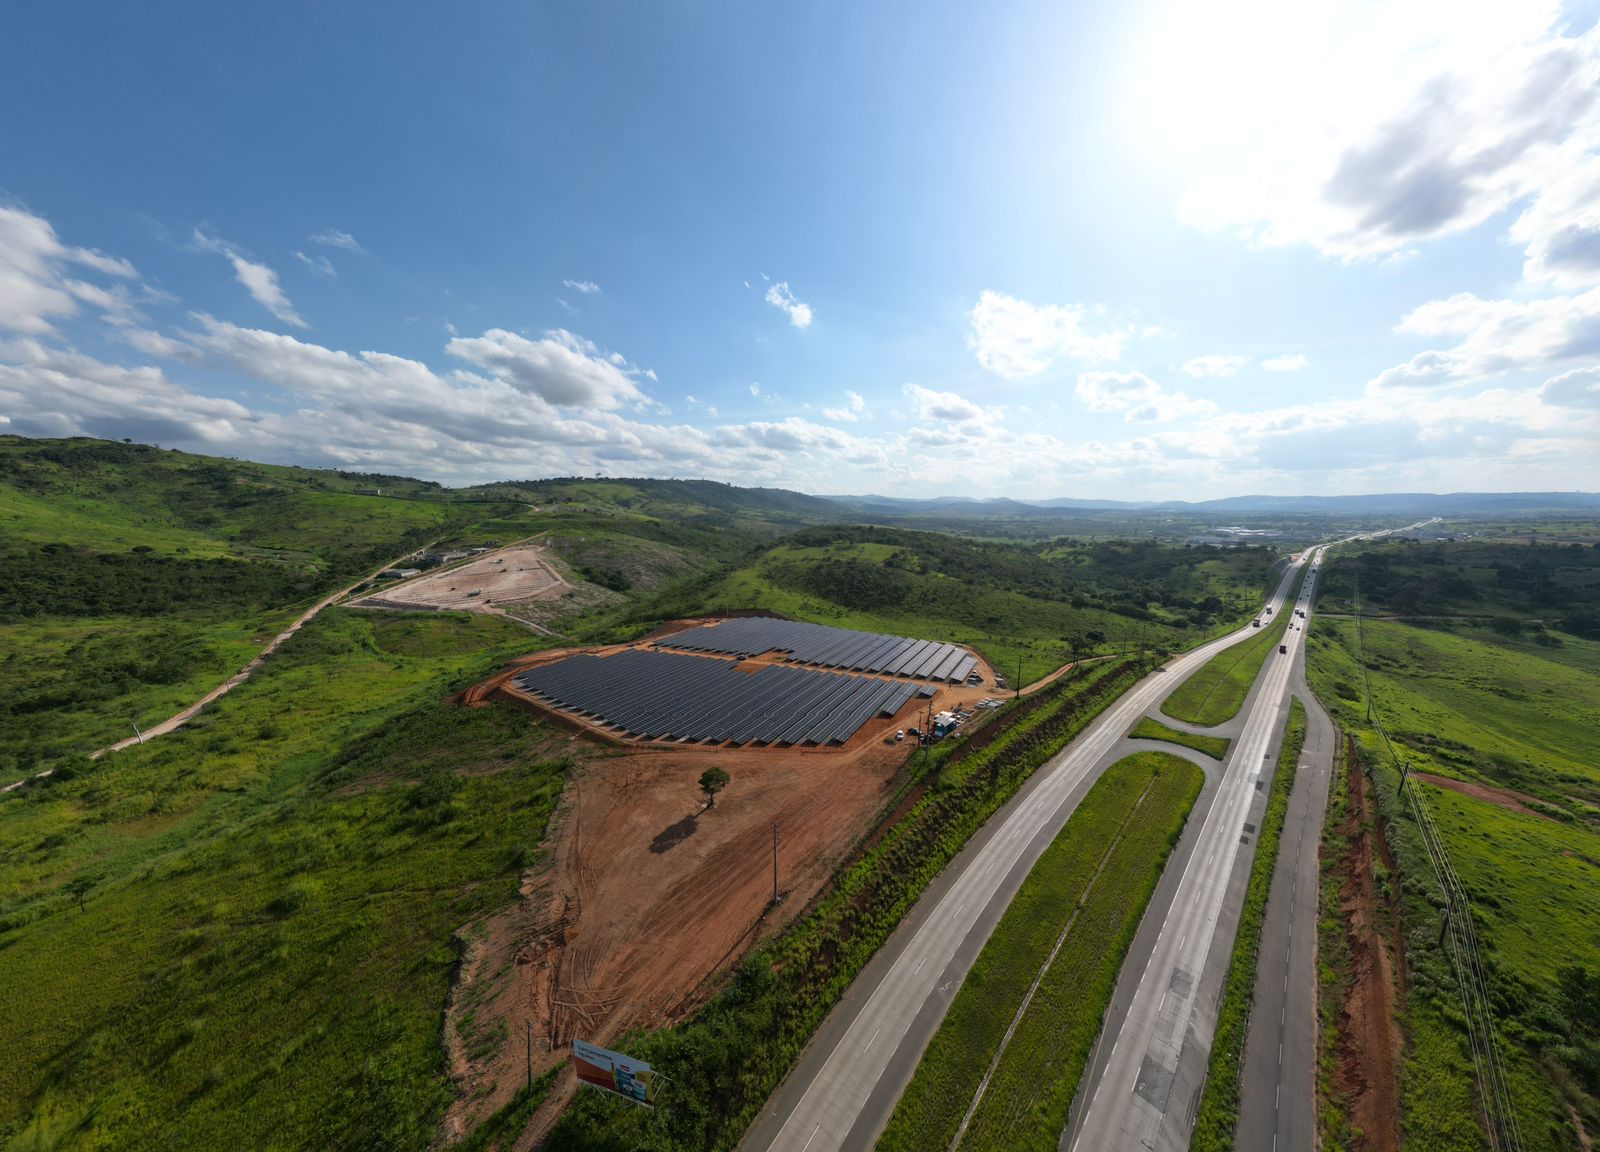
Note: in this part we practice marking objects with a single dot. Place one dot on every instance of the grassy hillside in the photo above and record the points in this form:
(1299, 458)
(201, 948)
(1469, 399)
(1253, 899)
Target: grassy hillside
(268, 899)
(1496, 708)
(1037, 603)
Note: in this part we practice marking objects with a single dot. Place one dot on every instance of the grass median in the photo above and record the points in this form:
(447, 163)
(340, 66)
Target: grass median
(1150, 728)
(1219, 1107)
(1057, 950)
(1214, 694)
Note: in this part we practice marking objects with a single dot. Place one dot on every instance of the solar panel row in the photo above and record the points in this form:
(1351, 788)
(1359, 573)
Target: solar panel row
(652, 694)
(830, 647)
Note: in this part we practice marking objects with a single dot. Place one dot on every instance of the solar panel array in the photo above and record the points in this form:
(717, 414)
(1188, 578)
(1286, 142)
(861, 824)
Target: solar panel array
(653, 695)
(829, 647)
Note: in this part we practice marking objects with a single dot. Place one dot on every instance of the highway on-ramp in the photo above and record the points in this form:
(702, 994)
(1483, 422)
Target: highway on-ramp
(845, 1086)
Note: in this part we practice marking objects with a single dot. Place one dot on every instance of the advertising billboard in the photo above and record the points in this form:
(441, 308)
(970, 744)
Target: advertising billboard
(613, 1072)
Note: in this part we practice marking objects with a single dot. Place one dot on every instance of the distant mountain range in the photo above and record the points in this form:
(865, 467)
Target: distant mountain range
(1388, 503)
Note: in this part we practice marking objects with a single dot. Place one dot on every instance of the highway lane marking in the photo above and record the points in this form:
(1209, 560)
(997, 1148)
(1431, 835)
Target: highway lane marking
(875, 1032)
(813, 1135)
(920, 963)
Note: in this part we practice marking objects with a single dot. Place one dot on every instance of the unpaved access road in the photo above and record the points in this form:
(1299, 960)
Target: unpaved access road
(179, 719)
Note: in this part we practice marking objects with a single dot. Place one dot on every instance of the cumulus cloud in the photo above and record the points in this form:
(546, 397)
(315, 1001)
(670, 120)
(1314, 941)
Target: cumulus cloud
(1140, 399)
(947, 407)
(1499, 335)
(1202, 366)
(1410, 121)
(36, 288)
(1579, 388)
(785, 301)
(587, 287)
(258, 279)
(855, 407)
(1015, 339)
(333, 238)
(1286, 363)
(562, 369)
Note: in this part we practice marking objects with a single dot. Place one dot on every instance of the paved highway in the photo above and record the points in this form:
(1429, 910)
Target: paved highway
(1277, 1106)
(845, 1086)
(1143, 1093)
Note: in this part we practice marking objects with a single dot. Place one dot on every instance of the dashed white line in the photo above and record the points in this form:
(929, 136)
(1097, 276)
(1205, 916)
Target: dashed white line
(875, 1032)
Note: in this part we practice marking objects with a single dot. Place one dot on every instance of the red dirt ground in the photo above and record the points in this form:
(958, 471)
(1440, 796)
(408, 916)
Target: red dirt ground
(1503, 797)
(649, 898)
(1369, 1036)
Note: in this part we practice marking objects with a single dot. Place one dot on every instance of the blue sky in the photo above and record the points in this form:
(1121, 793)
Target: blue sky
(1128, 251)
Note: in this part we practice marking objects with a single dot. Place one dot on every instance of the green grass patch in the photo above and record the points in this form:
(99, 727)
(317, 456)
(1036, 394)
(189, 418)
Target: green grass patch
(1215, 694)
(1149, 728)
(266, 938)
(781, 992)
(1219, 1106)
(1464, 704)
(1097, 875)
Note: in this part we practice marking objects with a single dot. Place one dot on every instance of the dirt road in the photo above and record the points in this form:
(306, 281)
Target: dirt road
(180, 719)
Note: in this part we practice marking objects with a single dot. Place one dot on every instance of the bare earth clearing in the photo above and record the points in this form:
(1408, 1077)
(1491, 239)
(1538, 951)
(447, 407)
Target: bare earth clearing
(520, 572)
(649, 897)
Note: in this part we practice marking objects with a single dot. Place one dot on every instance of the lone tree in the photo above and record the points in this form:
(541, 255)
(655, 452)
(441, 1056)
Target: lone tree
(712, 781)
(80, 888)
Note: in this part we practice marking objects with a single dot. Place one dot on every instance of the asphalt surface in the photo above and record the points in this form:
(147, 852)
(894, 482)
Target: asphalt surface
(1143, 1093)
(845, 1086)
(1277, 1106)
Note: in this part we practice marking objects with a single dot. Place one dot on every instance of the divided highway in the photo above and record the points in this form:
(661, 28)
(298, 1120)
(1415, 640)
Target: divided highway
(846, 1084)
(1143, 1092)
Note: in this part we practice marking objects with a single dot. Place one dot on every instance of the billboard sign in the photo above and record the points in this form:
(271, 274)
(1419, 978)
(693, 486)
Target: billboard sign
(613, 1072)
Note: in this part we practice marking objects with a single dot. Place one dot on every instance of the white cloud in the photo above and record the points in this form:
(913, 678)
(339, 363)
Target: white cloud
(334, 238)
(587, 287)
(947, 407)
(755, 389)
(855, 407)
(1499, 335)
(319, 263)
(1405, 122)
(1579, 388)
(1139, 398)
(1286, 363)
(779, 296)
(258, 279)
(563, 369)
(35, 289)
(1014, 339)
(1202, 366)
(163, 347)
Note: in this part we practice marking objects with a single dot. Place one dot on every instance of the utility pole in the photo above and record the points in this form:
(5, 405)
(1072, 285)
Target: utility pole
(136, 731)
(529, 1023)
(774, 861)
(1019, 675)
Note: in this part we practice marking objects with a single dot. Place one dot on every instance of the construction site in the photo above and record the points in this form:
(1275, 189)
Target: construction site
(650, 893)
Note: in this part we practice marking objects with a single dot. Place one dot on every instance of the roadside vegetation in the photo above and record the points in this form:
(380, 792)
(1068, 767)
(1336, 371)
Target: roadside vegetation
(242, 933)
(1219, 1106)
(781, 992)
(1503, 726)
(1215, 694)
(1058, 948)
(1149, 728)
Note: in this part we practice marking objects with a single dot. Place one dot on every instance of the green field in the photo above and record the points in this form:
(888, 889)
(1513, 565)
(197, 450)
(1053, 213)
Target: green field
(1149, 728)
(1215, 694)
(1219, 1105)
(268, 902)
(1480, 706)
(1084, 896)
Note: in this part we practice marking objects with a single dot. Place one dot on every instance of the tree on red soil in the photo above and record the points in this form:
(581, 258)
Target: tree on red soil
(712, 781)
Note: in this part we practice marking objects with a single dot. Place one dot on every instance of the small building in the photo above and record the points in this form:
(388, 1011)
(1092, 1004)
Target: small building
(944, 723)
(400, 573)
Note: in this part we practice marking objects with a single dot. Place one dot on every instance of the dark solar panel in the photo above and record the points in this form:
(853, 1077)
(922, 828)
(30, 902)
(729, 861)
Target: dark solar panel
(807, 643)
(654, 694)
